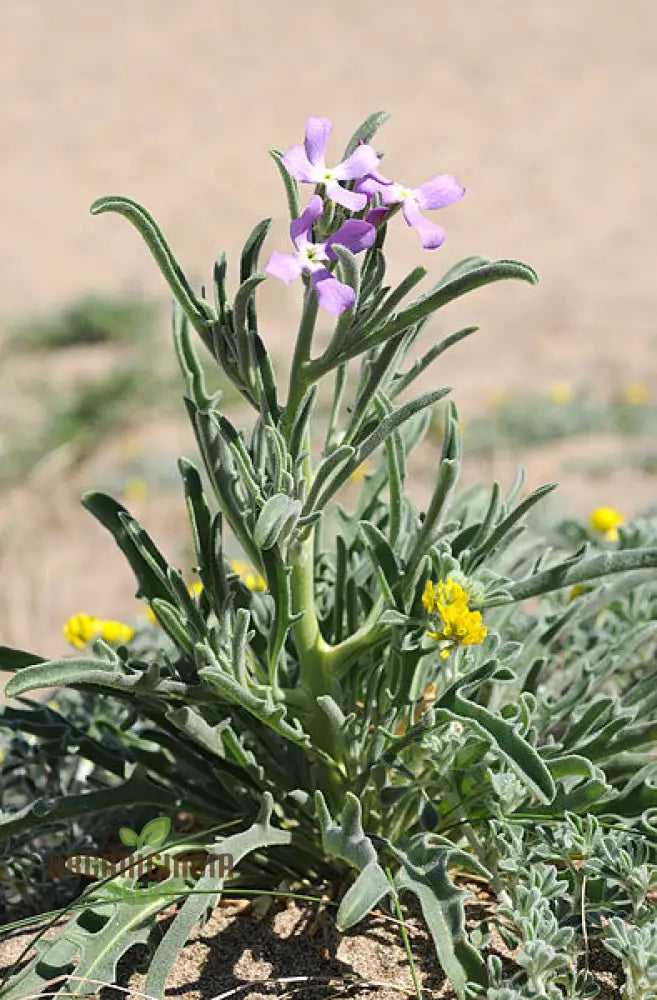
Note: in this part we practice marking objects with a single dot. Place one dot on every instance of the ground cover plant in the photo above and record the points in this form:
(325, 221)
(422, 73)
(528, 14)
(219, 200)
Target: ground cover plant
(380, 701)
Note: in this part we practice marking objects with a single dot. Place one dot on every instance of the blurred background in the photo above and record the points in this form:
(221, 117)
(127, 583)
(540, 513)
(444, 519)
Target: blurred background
(544, 111)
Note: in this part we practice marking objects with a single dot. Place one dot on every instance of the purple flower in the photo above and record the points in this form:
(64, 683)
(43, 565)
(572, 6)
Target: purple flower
(439, 192)
(306, 164)
(332, 295)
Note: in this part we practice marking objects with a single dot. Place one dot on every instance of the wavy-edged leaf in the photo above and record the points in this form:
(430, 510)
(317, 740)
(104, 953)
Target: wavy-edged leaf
(442, 907)
(208, 892)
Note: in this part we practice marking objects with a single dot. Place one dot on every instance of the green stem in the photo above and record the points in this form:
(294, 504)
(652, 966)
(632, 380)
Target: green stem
(311, 647)
(299, 380)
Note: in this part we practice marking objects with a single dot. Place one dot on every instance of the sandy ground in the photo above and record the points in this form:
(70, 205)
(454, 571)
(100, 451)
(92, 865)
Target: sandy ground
(545, 112)
(250, 951)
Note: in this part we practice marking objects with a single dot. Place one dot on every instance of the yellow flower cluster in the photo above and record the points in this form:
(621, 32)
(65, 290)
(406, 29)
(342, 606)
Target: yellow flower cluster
(81, 629)
(248, 576)
(458, 625)
(605, 521)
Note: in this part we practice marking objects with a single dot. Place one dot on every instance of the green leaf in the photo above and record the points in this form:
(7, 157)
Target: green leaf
(197, 311)
(147, 563)
(15, 659)
(208, 892)
(570, 572)
(276, 521)
(252, 247)
(87, 949)
(517, 752)
(137, 790)
(474, 277)
(360, 899)
(366, 130)
(442, 906)
(156, 831)
(128, 836)
(291, 186)
(347, 841)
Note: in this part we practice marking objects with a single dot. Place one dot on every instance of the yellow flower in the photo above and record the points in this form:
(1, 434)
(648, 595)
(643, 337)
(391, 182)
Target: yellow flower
(248, 576)
(561, 393)
(458, 624)
(636, 394)
(116, 632)
(605, 521)
(135, 489)
(81, 629)
(358, 475)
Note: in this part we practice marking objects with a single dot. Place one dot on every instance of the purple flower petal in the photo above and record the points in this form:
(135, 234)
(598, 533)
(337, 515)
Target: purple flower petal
(376, 215)
(432, 236)
(298, 165)
(286, 266)
(362, 161)
(439, 192)
(348, 199)
(318, 131)
(332, 295)
(301, 227)
(354, 234)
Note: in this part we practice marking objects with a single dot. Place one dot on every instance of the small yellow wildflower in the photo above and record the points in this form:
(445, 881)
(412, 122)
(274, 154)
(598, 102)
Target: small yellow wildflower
(358, 475)
(561, 393)
(248, 576)
(135, 489)
(458, 624)
(116, 632)
(81, 629)
(605, 521)
(636, 394)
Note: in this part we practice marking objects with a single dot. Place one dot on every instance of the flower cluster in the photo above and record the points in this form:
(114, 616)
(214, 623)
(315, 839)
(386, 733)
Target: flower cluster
(248, 576)
(456, 623)
(80, 629)
(307, 165)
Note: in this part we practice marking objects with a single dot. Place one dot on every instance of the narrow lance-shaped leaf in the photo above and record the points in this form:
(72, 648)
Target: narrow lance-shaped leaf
(378, 436)
(290, 185)
(198, 312)
(479, 276)
(366, 130)
(567, 574)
